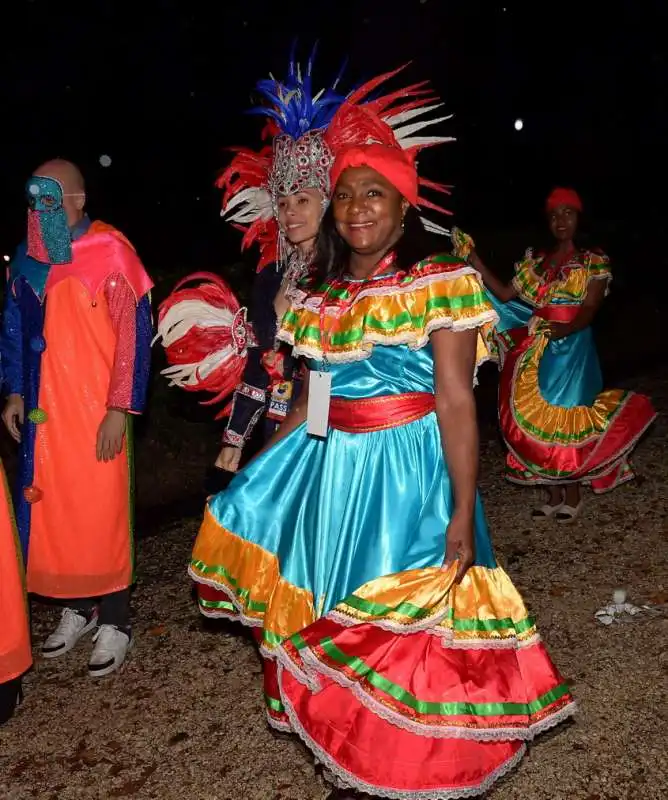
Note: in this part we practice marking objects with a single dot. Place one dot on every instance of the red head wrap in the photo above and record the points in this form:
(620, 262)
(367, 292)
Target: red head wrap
(563, 197)
(395, 165)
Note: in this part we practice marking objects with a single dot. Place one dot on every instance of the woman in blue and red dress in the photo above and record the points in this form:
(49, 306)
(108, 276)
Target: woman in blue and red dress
(355, 545)
(562, 429)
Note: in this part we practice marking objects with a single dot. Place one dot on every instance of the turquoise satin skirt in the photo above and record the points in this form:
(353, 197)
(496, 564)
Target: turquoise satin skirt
(343, 511)
(569, 373)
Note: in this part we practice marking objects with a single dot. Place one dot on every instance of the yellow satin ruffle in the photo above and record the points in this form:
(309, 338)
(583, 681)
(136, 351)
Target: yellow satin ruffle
(485, 606)
(545, 422)
(251, 577)
(570, 287)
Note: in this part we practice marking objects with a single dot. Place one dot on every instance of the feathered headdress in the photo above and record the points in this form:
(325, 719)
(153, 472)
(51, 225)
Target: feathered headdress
(395, 120)
(297, 159)
(309, 131)
(201, 325)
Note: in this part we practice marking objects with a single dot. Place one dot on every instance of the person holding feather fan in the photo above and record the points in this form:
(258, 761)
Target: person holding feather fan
(276, 196)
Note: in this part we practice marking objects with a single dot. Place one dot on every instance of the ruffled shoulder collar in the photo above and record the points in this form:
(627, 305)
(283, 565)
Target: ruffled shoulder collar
(342, 319)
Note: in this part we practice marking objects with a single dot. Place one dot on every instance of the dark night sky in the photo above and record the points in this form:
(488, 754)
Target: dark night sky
(161, 88)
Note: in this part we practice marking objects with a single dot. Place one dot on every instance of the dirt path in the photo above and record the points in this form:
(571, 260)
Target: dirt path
(184, 719)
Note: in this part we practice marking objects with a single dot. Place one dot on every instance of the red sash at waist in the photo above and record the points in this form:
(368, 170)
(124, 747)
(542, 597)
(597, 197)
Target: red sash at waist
(557, 313)
(379, 413)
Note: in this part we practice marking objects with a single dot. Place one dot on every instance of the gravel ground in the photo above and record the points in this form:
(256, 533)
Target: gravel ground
(185, 715)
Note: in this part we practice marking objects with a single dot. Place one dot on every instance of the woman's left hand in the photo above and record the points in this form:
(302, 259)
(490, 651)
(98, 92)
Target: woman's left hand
(459, 545)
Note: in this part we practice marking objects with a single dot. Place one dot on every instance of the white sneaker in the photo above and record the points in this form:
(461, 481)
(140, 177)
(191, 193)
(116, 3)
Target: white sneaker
(111, 647)
(71, 628)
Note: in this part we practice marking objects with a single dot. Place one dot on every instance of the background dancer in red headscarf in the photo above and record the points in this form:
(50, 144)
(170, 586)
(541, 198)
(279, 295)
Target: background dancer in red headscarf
(561, 428)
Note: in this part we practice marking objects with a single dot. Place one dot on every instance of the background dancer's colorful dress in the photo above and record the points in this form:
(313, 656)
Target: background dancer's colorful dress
(560, 425)
(557, 420)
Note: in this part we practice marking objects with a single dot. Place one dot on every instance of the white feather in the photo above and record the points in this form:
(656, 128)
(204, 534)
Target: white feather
(406, 130)
(251, 203)
(425, 141)
(398, 119)
(183, 316)
(433, 227)
(194, 373)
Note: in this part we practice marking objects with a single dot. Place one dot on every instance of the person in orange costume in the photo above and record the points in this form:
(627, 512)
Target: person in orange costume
(15, 652)
(75, 346)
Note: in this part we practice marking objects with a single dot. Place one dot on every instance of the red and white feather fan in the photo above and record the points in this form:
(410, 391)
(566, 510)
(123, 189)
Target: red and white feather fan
(206, 335)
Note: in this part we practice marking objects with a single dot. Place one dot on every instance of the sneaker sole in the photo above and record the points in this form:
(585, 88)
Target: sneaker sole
(57, 653)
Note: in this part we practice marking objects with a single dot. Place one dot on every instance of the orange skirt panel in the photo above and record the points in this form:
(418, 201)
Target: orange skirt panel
(80, 534)
(15, 653)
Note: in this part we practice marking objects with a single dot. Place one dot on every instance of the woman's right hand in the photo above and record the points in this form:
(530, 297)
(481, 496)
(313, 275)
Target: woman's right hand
(459, 545)
(13, 416)
(229, 458)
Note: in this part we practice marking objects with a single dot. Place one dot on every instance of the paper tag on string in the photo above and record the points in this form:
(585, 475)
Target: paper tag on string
(319, 394)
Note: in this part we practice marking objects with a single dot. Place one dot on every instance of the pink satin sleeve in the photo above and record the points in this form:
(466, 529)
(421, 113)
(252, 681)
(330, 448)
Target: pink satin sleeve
(123, 311)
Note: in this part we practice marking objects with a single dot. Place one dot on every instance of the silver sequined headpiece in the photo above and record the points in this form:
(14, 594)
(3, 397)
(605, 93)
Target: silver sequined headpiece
(299, 164)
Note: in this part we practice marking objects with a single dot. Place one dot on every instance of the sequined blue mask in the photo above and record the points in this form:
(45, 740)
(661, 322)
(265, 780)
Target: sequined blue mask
(49, 237)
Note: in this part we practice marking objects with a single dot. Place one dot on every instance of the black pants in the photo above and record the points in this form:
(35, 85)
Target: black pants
(114, 608)
(9, 696)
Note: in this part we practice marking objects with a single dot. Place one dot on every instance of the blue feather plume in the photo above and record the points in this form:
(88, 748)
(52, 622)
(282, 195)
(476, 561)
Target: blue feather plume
(291, 102)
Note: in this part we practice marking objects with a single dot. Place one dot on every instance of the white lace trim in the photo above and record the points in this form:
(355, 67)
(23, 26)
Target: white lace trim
(446, 634)
(525, 733)
(520, 366)
(414, 340)
(388, 625)
(603, 470)
(252, 622)
(427, 625)
(345, 779)
(626, 479)
(278, 725)
(308, 679)
(604, 277)
(217, 613)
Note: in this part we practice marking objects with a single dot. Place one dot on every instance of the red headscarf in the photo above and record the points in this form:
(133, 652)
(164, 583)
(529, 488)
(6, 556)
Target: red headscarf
(563, 197)
(394, 164)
